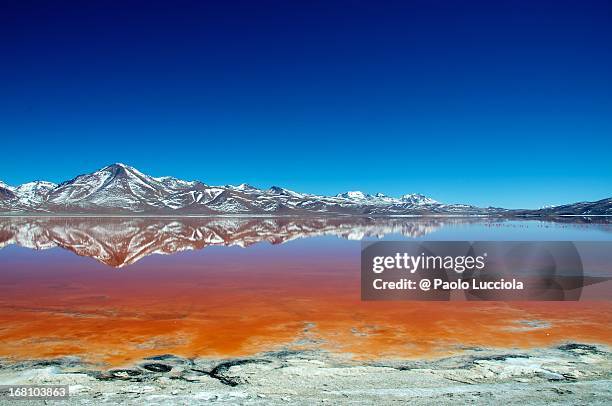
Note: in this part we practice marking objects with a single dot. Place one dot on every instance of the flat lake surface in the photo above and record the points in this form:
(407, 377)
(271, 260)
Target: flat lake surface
(228, 287)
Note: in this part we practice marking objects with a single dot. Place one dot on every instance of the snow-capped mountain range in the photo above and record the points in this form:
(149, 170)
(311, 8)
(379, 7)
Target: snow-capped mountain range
(121, 189)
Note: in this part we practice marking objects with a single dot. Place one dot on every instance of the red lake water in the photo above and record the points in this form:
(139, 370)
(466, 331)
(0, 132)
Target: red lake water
(113, 291)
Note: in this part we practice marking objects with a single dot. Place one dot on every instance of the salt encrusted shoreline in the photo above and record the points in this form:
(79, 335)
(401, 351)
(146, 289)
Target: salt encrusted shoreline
(572, 373)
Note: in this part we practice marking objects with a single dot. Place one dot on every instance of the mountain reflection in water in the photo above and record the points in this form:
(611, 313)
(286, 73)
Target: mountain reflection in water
(122, 241)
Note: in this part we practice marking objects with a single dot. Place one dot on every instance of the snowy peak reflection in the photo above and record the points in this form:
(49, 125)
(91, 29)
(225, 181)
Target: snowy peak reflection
(121, 241)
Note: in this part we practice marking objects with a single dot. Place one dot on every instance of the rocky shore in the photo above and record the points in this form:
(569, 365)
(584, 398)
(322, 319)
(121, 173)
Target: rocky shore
(572, 373)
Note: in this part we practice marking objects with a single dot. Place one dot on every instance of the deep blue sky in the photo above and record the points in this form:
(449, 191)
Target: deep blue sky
(490, 103)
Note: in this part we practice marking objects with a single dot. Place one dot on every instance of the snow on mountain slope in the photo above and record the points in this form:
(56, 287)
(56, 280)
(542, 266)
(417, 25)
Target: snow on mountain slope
(174, 184)
(276, 190)
(417, 199)
(244, 187)
(6, 193)
(33, 193)
(115, 186)
(5, 186)
(121, 189)
(598, 208)
(356, 195)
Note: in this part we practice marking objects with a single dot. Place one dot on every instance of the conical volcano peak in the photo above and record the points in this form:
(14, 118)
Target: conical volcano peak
(119, 167)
